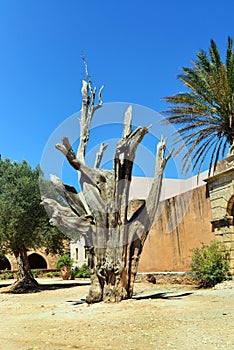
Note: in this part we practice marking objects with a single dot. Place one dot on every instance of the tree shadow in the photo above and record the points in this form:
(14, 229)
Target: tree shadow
(77, 302)
(44, 287)
(164, 296)
(5, 285)
(54, 286)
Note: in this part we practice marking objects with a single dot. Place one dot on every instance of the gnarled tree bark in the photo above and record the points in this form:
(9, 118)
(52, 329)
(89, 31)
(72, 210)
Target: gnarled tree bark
(25, 281)
(100, 212)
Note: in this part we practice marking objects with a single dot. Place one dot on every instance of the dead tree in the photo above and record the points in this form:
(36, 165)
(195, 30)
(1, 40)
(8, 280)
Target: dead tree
(99, 213)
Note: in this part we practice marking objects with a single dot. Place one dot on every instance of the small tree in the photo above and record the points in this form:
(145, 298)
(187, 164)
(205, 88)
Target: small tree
(113, 241)
(210, 264)
(23, 221)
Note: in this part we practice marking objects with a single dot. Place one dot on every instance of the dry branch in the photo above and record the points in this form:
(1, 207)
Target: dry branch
(99, 155)
(87, 112)
(64, 218)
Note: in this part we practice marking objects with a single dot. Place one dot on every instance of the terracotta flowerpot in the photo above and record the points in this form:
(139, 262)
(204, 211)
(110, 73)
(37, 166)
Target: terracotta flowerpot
(65, 272)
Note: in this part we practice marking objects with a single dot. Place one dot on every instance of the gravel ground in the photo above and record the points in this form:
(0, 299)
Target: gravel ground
(159, 317)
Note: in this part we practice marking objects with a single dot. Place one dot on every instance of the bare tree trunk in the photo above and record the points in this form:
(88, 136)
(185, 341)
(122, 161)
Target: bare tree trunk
(25, 280)
(114, 243)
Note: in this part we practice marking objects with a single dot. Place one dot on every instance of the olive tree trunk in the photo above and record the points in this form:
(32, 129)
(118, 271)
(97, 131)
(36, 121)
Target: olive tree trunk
(113, 240)
(25, 280)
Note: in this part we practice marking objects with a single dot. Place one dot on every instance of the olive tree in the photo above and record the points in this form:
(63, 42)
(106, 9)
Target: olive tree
(23, 221)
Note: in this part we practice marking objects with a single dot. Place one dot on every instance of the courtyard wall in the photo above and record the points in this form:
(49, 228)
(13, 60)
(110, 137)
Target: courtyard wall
(181, 224)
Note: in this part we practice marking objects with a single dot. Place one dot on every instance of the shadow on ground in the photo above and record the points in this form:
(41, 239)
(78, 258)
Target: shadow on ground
(77, 302)
(164, 295)
(47, 286)
(53, 286)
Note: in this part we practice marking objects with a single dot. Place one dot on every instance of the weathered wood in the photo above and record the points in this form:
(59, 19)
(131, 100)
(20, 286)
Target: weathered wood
(127, 129)
(99, 155)
(64, 217)
(113, 241)
(70, 195)
(87, 112)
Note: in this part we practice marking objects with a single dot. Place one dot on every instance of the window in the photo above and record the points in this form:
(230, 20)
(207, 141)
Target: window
(86, 253)
(77, 254)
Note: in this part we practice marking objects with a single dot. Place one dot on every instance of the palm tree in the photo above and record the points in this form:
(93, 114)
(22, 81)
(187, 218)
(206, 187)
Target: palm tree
(205, 113)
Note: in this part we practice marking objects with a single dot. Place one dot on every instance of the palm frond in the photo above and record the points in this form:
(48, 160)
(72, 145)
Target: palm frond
(203, 156)
(215, 155)
(205, 113)
(203, 61)
(215, 55)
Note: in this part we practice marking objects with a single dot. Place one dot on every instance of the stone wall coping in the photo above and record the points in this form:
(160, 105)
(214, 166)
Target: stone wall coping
(220, 175)
(165, 273)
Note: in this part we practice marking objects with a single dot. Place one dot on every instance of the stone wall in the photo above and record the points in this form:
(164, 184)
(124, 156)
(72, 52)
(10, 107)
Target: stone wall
(221, 189)
(51, 260)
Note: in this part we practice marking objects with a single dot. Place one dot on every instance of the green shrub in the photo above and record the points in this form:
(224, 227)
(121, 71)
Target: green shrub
(36, 273)
(64, 260)
(73, 274)
(2, 276)
(210, 264)
(6, 274)
(56, 274)
(10, 275)
(82, 272)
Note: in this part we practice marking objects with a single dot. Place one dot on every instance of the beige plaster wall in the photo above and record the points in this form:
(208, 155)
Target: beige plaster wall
(182, 223)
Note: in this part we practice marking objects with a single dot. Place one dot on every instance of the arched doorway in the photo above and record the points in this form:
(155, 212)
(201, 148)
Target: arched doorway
(5, 264)
(36, 261)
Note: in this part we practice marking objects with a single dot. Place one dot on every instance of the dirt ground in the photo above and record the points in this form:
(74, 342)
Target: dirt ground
(159, 317)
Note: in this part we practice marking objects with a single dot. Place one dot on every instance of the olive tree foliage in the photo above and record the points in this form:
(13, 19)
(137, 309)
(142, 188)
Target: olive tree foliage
(100, 212)
(23, 221)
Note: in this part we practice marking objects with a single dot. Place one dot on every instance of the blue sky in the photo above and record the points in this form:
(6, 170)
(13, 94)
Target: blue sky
(135, 48)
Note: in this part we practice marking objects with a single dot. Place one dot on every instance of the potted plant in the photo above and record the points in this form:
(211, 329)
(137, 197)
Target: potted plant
(64, 264)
